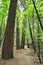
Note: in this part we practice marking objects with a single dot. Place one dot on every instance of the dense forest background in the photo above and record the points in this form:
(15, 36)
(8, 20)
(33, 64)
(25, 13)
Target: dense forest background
(28, 25)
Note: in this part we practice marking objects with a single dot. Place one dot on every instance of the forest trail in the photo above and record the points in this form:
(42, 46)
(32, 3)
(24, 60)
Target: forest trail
(22, 57)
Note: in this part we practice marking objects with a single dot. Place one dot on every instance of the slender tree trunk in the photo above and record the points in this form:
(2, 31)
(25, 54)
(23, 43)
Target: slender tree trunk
(7, 49)
(27, 43)
(17, 36)
(1, 31)
(0, 35)
(23, 35)
(37, 14)
(32, 37)
(33, 31)
(42, 52)
(39, 44)
(23, 39)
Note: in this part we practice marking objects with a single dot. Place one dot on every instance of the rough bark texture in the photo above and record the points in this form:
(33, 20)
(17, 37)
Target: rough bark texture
(17, 36)
(7, 49)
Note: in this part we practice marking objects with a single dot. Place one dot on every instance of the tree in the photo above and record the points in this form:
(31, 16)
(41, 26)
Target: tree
(33, 30)
(39, 44)
(7, 49)
(37, 15)
(27, 43)
(32, 38)
(23, 35)
(17, 36)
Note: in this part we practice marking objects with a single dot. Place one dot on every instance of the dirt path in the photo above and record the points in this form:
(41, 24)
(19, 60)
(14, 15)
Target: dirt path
(21, 57)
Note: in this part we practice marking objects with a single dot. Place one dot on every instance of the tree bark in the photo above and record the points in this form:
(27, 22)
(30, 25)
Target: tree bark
(32, 38)
(17, 36)
(27, 43)
(33, 31)
(39, 56)
(23, 35)
(7, 49)
(37, 15)
(23, 39)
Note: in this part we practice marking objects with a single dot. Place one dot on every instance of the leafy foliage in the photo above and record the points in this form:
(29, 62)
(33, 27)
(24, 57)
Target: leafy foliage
(25, 12)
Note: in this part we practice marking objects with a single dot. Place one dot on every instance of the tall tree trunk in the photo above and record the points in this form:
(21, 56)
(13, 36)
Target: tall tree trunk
(39, 43)
(33, 31)
(7, 49)
(17, 36)
(42, 52)
(37, 14)
(23, 35)
(1, 31)
(23, 39)
(32, 37)
(27, 43)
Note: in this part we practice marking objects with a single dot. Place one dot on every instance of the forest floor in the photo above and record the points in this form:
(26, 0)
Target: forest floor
(22, 57)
